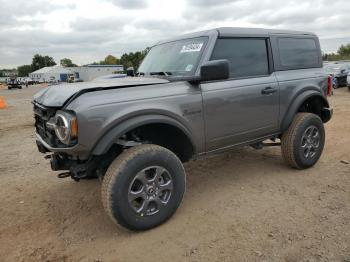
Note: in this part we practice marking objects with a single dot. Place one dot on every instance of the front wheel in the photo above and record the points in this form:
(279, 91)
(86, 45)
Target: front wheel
(143, 187)
(302, 143)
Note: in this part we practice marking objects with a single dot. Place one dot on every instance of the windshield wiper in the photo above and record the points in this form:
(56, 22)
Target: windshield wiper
(160, 73)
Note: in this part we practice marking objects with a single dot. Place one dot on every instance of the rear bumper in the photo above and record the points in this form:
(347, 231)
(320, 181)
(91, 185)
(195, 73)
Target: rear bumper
(327, 114)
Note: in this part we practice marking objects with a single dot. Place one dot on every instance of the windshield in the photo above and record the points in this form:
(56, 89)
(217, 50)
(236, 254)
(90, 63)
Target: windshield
(174, 58)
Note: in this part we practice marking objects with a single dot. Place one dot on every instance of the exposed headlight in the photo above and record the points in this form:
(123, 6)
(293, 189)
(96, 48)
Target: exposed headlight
(65, 126)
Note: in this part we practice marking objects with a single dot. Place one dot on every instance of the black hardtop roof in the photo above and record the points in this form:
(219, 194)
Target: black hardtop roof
(238, 31)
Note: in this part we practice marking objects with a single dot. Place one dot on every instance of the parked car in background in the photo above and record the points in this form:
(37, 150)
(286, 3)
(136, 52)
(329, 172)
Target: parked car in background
(26, 81)
(13, 82)
(339, 72)
(348, 81)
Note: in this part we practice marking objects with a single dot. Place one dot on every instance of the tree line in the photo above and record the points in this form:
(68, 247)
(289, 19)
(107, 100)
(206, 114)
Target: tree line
(132, 59)
(343, 53)
(38, 62)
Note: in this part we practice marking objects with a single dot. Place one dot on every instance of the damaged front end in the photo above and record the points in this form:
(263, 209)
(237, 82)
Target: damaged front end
(94, 167)
(56, 136)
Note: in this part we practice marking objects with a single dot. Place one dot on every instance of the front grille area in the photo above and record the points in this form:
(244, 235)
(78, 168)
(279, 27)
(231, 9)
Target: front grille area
(41, 116)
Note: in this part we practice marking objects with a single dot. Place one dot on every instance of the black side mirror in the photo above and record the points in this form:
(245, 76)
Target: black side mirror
(215, 70)
(130, 71)
(342, 71)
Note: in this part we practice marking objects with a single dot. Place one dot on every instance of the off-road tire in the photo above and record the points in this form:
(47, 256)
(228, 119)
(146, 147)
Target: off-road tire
(292, 139)
(119, 177)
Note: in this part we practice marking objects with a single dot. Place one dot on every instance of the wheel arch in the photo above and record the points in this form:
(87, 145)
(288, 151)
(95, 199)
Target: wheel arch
(133, 123)
(310, 101)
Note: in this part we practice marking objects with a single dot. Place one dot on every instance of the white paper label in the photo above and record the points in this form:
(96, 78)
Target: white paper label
(189, 67)
(195, 47)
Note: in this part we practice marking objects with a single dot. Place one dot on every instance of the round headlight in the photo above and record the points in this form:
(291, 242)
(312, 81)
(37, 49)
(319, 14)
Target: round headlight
(62, 128)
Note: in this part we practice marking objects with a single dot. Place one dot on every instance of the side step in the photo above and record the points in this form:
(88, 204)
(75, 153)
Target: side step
(261, 145)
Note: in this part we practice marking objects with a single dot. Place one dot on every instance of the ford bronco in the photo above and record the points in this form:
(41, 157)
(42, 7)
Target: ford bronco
(193, 95)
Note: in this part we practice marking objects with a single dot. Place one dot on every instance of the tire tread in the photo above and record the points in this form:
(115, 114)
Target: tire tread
(288, 137)
(114, 171)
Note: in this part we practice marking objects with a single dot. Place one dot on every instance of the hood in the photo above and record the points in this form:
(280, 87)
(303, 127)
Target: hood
(57, 95)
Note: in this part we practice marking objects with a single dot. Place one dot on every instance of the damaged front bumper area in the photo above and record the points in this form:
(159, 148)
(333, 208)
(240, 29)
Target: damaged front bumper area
(66, 159)
(74, 159)
(75, 166)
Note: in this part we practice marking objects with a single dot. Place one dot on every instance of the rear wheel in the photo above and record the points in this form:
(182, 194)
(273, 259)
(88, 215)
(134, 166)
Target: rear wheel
(302, 144)
(143, 187)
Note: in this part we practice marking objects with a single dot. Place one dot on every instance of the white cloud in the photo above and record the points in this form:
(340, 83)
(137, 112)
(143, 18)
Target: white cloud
(87, 31)
(130, 4)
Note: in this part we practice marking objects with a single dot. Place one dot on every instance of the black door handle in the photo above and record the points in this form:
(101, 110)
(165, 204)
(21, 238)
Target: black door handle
(268, 90)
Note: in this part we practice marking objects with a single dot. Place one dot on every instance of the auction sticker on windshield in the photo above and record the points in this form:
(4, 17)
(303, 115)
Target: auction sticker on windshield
(189, 68)
(194, 47)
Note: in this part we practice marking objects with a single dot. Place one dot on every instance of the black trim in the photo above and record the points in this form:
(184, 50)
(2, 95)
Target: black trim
(270, 56)
(106, 140)
(327, 114)
(297, 102)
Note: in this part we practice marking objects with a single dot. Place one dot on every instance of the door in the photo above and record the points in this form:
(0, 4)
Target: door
(245, 106)
(63, 77)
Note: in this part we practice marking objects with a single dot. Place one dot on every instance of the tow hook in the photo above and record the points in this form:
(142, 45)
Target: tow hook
(64, 175)
(69, 174)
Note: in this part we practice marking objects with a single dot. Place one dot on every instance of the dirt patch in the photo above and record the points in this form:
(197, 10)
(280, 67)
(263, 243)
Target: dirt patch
(244, 205)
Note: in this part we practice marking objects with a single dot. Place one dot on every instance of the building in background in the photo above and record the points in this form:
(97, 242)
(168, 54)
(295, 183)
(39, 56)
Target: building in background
(79, 73)
(51, 74)
(90, 72)
(8, 72)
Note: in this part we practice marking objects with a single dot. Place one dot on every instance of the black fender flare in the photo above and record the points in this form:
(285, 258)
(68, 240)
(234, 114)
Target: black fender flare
(295, 105)
(107, 140)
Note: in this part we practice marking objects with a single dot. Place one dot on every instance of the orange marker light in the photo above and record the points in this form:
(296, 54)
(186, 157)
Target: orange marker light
(74, 128)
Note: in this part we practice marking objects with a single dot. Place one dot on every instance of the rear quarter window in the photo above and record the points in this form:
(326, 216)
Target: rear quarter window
(298, 53)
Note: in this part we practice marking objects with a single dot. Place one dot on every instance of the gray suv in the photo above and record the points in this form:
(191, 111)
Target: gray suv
(193, 95)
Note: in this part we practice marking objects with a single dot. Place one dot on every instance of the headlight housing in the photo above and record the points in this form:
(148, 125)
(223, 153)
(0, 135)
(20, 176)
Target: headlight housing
(65, 126)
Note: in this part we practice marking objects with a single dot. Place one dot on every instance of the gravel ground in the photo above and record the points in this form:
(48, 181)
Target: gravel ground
(243, 205)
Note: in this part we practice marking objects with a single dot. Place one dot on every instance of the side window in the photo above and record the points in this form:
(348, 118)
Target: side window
(298, 52)
(247, 56)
